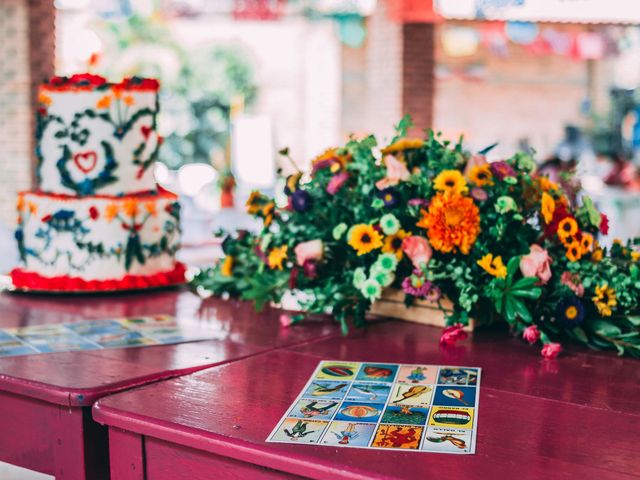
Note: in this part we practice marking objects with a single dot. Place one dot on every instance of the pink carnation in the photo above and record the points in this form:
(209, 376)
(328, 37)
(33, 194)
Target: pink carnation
(551, 350)
(306, 251)
(396, 172)
(537, 263)
(572, 281)
(452, 334)
(418, 250)
(531, 334)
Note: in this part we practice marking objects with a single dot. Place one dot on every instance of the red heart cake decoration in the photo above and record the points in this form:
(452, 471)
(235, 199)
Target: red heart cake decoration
(85, 161)
(145, 131)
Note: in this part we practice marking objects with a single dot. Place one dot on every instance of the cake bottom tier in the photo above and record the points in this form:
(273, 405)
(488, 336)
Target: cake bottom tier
(97, 242)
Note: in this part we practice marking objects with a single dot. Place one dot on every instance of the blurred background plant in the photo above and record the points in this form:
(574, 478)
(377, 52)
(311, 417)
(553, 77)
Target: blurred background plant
(200, 87)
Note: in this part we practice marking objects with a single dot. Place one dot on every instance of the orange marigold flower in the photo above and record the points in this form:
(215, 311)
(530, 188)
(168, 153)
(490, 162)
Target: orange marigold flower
(111, 211)
(151, 209)
(546, 184)
(104, 102)
(567, 227)
(130, 207)
(44, 99)
(452, 222)
(574, 251)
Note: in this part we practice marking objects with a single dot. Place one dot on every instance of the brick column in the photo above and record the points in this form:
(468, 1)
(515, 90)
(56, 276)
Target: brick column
(418, 79)
(26, 57)
(399, 73)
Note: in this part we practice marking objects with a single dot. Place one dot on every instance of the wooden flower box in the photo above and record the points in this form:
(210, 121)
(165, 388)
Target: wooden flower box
(391, 304)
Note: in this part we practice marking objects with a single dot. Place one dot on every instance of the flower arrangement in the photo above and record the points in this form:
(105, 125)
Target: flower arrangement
(500, 241)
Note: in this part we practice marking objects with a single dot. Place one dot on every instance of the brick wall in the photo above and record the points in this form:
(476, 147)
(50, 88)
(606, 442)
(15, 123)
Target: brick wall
(26, 57)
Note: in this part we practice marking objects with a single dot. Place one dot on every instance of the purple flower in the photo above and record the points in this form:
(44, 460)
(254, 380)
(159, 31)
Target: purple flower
(337, 182)
(479, 194)
(389, 196)
(300, 201)
(570, 312)
(416, 285)
(502, 169)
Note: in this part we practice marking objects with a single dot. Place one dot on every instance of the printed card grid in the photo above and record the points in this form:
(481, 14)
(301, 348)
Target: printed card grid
(426, 408)
(97, 334)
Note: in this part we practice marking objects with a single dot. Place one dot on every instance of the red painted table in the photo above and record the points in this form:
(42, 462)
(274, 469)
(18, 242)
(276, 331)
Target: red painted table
(575, 417)
(45, 400)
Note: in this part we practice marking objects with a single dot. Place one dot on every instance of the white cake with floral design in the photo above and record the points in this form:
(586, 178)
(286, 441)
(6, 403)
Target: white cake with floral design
(98, 221)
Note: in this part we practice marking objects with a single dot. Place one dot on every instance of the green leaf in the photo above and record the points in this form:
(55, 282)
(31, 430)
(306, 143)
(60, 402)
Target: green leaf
(525, 283)
(580, 335)
(605, 328)
(512, 266)
(522, 310)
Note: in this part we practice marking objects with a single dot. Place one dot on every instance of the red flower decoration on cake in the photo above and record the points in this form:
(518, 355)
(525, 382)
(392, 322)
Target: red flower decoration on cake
(94, 213)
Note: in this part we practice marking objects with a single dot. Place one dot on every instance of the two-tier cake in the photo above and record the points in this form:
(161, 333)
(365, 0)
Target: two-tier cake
(98, 220)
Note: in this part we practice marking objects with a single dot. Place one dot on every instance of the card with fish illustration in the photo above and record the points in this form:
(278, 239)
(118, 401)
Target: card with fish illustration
(385, 406)
(369, 392)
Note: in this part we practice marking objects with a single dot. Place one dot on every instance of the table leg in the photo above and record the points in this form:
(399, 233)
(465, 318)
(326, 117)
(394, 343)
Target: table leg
(126, 454)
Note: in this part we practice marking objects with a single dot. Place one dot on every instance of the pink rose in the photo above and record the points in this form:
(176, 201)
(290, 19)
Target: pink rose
(396, 172)
(572, 281)
(452, 334)
(536, 264)
(337, 182)
(551, 350)
(418, 250)
(307, 251)
(286, 320)
(531, 334)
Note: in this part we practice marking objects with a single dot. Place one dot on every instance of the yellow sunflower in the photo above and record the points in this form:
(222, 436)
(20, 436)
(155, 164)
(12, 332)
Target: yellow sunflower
(452, 222)
(393, 243)
(227, 266)
(277, 256)
(548, 206)
(586, 242)
(481, 175)
(574, 251)
(493, 265)
(567, 227)
(450, 181)
(364, 238)
(605, 299)
(403, 144)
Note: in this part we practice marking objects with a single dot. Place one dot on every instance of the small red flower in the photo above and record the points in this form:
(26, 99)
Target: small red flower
(551, 350)
(531, 334)
(604, 224)
(47, 218)
(452, 334)
(94, 213)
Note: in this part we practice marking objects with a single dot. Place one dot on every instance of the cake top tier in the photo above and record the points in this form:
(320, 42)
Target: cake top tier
(97, 137)
(88, 82)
